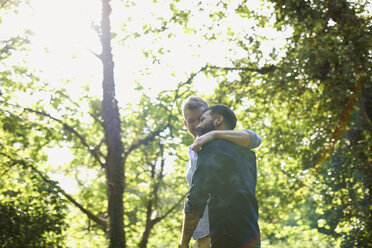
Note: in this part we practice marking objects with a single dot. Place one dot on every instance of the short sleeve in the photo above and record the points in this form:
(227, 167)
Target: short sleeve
(255, 139)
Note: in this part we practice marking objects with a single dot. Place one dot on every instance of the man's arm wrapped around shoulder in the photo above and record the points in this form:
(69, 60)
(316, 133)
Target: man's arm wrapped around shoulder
(246, 138)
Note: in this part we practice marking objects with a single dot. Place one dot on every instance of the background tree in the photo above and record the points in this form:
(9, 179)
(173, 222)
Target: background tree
(93, 141)
(32, 214)
(313, 107)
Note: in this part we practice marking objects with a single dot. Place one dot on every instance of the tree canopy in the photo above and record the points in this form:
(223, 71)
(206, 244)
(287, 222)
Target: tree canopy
(298, 73)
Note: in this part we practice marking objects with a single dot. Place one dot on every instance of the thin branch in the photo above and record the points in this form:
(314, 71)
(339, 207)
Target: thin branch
(153, 195)
(8, 168)
(2, 5)
(157, 219)
(188, 81)
(67, 127)
(162, 28)
(262, 70)
(77, 105)
(151, 30)
(100, 221)
(344, 118)
(365, 115)
(143, 141)
(99, 56)
(97, 148)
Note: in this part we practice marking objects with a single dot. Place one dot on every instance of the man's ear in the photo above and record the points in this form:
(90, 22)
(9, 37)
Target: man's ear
(218, 121)
(185, 123)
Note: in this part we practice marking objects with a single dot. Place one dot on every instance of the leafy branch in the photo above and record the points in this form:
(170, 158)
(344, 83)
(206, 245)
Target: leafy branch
(78, 105)
(262, 70)
(143, 141)
(94, 152)
(103, 223)
(67, 127)
(152, 30)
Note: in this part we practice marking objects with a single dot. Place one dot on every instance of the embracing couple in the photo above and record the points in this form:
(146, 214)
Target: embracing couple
(221, 209)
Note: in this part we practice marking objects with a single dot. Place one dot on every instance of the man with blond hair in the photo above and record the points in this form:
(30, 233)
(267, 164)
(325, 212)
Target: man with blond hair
(192, 109)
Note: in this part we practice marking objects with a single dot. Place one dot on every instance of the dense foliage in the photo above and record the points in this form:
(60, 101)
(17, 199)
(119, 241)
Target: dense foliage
(32, 215)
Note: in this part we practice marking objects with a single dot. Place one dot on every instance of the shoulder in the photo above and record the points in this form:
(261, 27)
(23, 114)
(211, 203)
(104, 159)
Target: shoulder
(216, 145)
(214, 154)
(217, 148)
(213, 148)
(225, 148)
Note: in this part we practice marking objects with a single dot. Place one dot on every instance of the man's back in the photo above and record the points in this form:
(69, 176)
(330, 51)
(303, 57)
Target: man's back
(228, 173)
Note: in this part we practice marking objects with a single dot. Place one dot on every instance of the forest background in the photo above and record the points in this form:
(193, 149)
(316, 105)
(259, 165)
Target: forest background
(92, 144)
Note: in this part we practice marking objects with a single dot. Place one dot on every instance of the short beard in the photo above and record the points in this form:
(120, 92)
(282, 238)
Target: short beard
(208, 128)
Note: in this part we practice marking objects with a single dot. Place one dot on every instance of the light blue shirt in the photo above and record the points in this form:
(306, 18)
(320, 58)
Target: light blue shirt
(202, 229)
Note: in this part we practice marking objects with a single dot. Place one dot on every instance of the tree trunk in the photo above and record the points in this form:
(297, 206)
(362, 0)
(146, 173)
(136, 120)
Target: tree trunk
(114, 165)
(149, 226)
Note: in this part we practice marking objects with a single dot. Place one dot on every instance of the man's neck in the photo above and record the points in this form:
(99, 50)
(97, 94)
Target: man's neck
(221, 127)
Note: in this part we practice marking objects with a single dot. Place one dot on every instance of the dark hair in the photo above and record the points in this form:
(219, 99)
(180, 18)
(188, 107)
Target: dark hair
(228, 115)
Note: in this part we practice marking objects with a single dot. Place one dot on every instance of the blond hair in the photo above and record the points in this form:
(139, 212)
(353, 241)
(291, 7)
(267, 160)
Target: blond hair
(194, 103)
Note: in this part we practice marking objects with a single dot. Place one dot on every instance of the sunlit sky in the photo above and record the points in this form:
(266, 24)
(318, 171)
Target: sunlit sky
(64, 40)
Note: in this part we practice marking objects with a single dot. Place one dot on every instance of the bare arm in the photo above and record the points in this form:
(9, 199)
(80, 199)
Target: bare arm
(239, 137)
(190, 221)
